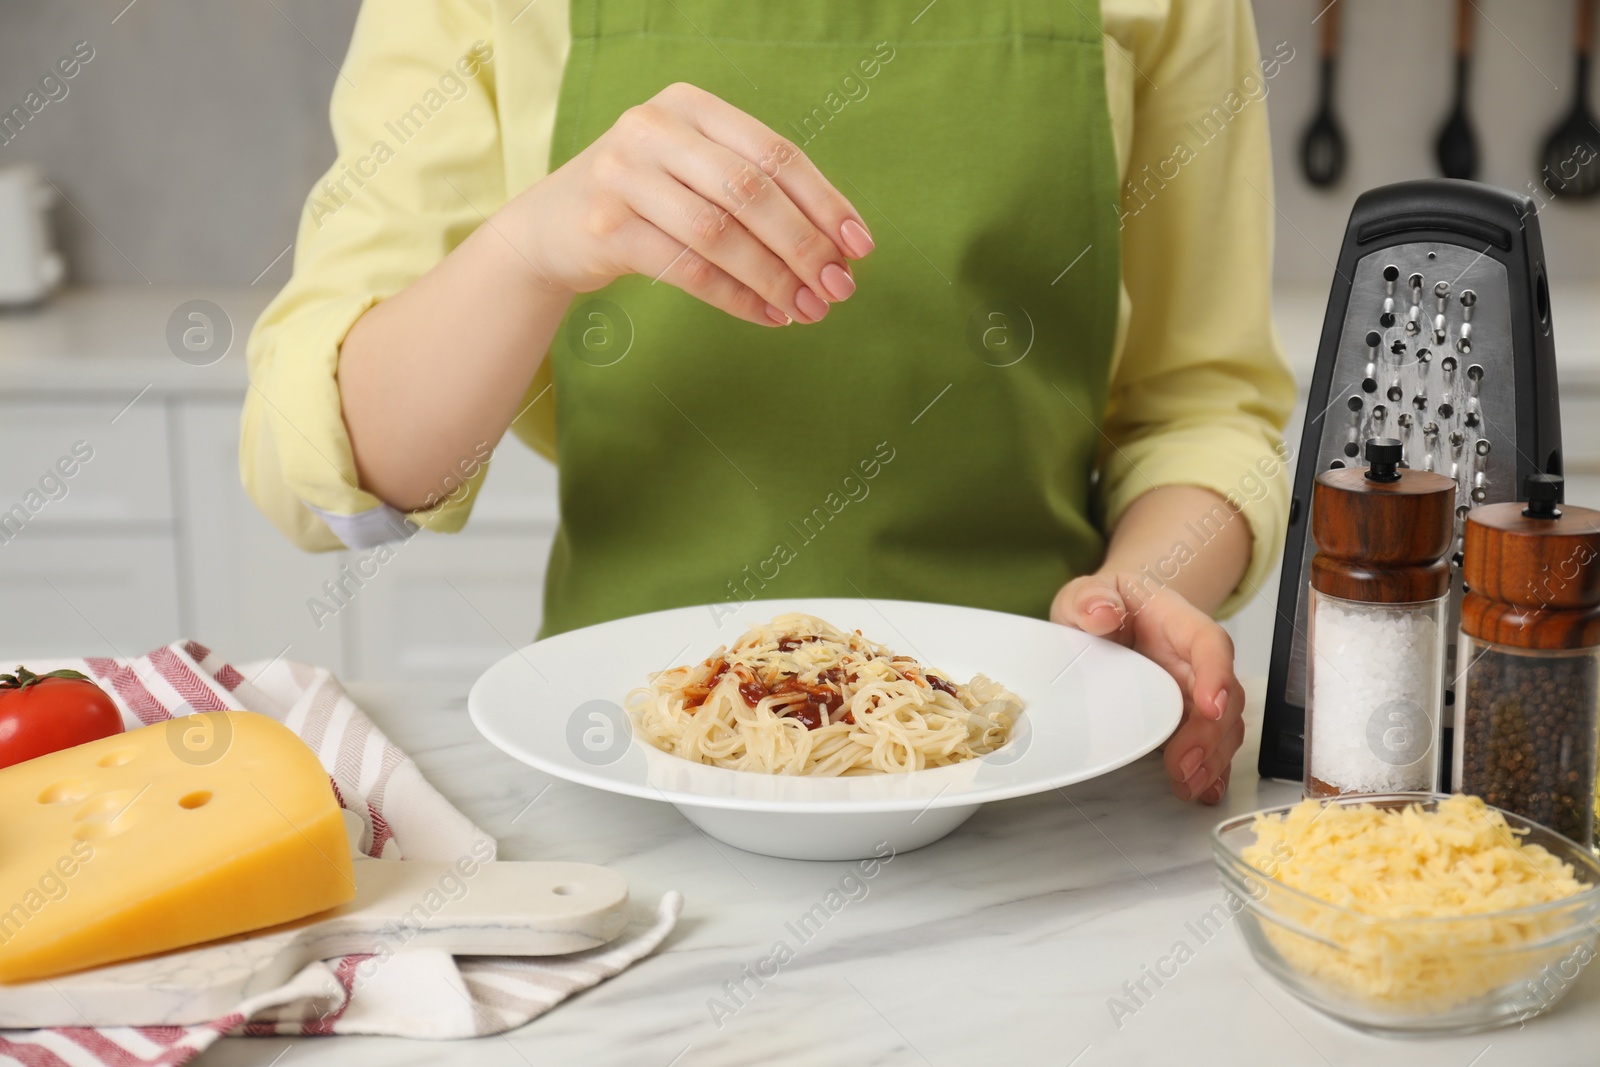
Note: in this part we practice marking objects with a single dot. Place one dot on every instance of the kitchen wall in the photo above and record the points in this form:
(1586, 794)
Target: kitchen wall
(1395, 85)
(187, 143)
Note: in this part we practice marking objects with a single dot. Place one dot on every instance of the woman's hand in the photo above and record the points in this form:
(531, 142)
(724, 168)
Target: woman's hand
(684, 188)
(1189, 645)
(691, 190)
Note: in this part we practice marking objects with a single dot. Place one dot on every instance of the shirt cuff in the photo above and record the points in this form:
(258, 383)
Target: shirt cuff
(381, 525)
(296, 459)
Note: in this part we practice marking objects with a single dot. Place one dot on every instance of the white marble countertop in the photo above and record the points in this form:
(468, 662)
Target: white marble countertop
(115, 338)
(1001, 944)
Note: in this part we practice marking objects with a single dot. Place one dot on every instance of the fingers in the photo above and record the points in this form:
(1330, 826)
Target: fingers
(779, 159)
(1217, 762)
(1219, 788)
(1216, 687)
(683, 163)
(661, 256)
(1202, 643)
(718, 237)
(749, 194)
(1090, 603)
(1201, 753)
(1195, 650)
(694, 168)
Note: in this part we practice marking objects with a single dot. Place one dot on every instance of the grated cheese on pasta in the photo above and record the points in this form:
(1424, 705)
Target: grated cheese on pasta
(1456, 862)
(800, 696)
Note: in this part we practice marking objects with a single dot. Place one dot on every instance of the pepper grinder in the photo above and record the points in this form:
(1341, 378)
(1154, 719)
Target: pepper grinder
(1379, 609)
(1530, 639)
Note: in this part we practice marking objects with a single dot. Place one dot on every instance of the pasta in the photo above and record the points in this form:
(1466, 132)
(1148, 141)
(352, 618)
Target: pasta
(799, 696)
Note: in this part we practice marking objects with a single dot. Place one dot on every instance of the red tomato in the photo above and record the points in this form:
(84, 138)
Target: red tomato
(46, 713)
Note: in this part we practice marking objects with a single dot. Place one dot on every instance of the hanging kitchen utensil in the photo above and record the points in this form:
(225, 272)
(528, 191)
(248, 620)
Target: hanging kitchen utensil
(1457, 147)
(1322, 145)
(1437, 334)
(1572, 151)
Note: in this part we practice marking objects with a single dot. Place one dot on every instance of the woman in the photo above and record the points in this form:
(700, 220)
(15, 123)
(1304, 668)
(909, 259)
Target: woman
(936, 301)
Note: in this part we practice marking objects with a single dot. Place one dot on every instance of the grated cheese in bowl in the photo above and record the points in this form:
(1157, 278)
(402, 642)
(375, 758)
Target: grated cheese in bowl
(1410, 911)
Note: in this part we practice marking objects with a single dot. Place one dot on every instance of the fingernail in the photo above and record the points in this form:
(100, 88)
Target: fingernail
(810, 304)
(857, 241)
(1221, 703)
(1191, 762)
(777, 316)
(838, 283)
(1095, 605)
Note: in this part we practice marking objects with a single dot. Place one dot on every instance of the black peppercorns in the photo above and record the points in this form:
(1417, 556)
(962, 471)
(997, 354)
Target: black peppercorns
(1528, 742)
(1530, 642)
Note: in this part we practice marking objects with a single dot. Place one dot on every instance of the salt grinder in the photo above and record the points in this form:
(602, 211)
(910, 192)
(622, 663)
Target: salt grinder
(1379, 608)
(1530, 642)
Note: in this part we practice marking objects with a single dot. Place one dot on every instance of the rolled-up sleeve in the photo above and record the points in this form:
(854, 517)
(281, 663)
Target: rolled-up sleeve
(1201, 392)
(419, 166)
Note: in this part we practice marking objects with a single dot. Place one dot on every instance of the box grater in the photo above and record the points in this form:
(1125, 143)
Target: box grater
(1437, 333)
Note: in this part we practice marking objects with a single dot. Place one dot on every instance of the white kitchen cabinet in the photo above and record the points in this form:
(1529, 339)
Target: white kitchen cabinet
(87, 556)
(439, 606)
(519, 493)
(449, 605)
(66, 595)
(70, 463)
(155, 539)
(445, 607)
(246, 586)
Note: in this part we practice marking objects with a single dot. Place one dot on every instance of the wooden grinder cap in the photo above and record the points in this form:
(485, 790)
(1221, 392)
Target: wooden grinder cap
(1382, 531)
(1529, 571)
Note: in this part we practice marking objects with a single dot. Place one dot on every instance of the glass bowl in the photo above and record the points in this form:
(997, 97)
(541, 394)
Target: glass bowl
(1414, 976)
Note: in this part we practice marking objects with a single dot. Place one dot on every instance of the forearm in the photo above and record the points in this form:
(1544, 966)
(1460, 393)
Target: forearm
(1183, 538)
(443, 365)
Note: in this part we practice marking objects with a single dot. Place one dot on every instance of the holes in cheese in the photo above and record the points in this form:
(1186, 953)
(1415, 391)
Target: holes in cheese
(136, 844)
(68, 792)
(106, 806)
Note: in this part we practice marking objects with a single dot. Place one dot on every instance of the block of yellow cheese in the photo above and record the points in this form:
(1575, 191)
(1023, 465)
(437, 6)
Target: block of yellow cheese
(162, 837)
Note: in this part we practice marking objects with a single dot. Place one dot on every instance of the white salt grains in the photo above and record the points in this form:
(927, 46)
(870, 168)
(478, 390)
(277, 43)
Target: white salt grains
(1376, 686)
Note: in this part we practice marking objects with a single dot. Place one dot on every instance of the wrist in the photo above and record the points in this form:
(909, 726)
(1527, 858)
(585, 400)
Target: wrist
(1139, 585)
(520, 230)
(1170, 538)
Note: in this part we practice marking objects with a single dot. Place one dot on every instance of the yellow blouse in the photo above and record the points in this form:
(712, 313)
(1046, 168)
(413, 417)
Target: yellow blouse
(443, 111)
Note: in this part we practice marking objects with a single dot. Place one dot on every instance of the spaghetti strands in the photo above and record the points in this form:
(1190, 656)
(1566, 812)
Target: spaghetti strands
(799, 696)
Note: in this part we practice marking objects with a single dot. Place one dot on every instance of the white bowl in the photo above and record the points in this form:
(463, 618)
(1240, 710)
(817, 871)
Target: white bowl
(1090, 706)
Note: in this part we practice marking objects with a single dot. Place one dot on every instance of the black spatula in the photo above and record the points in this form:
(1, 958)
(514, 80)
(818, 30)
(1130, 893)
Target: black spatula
(1322, 145)
(1457, 147)
(1572, 152)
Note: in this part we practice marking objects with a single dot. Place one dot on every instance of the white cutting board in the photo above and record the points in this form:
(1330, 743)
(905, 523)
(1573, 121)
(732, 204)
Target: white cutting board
(504, 909)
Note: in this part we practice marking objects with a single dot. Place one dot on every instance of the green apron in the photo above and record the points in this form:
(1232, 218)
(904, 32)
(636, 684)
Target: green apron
(934, 438)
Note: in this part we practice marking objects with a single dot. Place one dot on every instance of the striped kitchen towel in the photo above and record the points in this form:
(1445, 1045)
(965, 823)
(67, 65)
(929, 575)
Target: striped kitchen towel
(400, 816)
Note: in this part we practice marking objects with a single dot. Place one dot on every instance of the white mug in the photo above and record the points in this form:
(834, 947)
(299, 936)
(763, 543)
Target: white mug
(30, 267)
